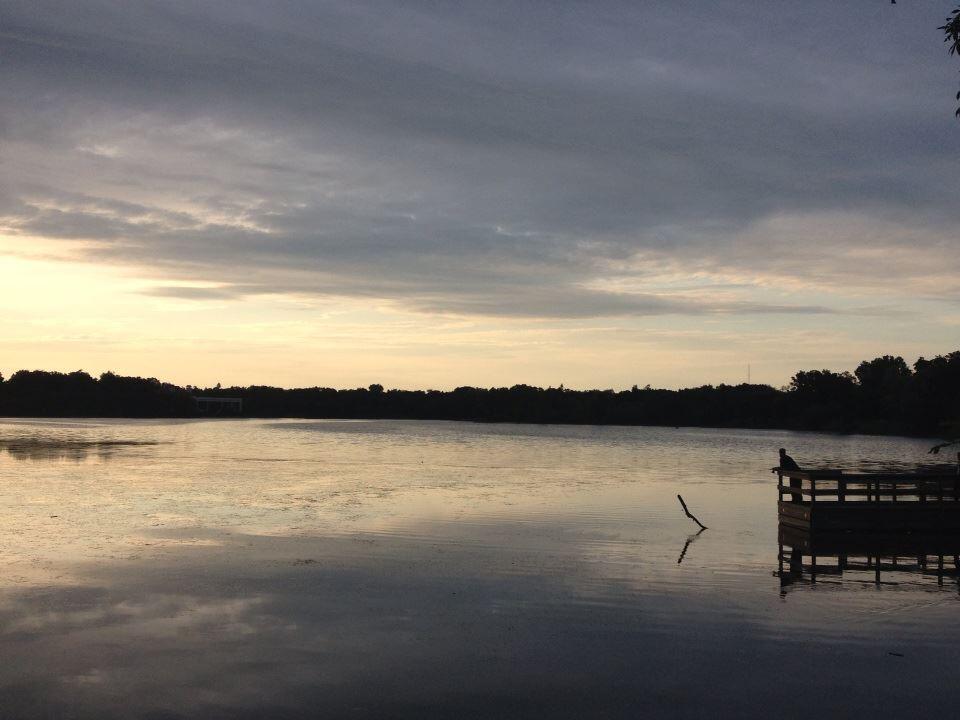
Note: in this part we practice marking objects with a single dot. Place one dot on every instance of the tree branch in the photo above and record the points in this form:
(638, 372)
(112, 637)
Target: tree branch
(689, 514)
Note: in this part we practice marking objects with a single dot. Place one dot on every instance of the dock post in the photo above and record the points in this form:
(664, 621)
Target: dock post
(796, 497)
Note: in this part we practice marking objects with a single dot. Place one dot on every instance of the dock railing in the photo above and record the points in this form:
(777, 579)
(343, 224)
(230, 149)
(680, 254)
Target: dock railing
(835, 486)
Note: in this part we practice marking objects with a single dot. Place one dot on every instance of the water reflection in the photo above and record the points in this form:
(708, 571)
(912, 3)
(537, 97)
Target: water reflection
(688, 543)
(336, 627)
(252, 569)
(341, 627)
(918, 560)
(64, 448)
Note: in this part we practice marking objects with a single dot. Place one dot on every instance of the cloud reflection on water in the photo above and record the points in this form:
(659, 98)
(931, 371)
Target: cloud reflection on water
(288, 627)
(250, 569)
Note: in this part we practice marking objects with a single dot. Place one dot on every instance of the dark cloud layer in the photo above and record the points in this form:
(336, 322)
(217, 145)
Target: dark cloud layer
(504, 159)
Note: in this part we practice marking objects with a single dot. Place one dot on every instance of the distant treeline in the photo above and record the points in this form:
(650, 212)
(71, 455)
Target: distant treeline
(882, 396)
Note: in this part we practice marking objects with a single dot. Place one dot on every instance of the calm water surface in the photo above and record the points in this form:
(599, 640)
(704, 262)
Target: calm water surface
(287, 569)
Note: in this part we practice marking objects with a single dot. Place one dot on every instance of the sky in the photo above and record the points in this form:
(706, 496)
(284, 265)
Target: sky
(436, 194)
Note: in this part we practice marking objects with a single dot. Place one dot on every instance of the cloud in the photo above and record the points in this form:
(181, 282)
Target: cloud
(187, 292)
(495, 161)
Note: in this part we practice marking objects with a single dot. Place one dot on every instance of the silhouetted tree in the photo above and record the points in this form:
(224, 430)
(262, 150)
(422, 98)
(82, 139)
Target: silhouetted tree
(951, 32)
(884, 393)
(882, 373)
(882, 396)
(53, 394)
(823, 399)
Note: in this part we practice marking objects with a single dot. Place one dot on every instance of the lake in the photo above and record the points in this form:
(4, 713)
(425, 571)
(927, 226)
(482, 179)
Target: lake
(382, 569)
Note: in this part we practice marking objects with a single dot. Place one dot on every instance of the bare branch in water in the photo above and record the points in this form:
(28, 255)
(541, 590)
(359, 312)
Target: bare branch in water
(689, 514)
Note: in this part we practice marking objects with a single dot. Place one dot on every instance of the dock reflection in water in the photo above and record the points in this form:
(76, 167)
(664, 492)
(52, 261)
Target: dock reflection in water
(893, 559)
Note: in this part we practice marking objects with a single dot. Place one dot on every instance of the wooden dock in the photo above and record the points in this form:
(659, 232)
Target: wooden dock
(836, 500)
